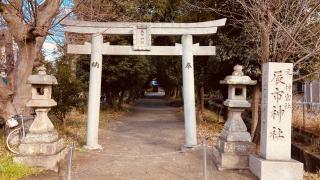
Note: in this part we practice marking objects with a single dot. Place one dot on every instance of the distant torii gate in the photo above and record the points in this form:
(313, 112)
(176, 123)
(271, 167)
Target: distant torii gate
(142, 33)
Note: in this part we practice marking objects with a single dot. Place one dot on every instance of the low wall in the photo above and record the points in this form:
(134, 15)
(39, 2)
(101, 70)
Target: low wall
(305, 137)
(311, 161)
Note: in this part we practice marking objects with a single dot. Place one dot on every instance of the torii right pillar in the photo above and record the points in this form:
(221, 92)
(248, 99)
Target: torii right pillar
(188, 92)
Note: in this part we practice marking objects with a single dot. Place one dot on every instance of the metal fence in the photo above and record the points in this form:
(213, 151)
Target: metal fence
(313, 106)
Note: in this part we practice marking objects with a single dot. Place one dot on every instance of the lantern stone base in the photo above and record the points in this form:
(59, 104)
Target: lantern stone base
(41, 150)
(232, 155)
(269, 170)
(96, 147)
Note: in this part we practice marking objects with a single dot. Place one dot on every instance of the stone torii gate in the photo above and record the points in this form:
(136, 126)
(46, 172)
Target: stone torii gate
(142, 33)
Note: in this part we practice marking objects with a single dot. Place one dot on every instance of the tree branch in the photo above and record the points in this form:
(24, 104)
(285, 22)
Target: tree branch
(305, 76)
(17, 28)
(46, 11)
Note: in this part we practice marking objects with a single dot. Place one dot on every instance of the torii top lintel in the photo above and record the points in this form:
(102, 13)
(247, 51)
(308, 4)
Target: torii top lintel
(126, 28)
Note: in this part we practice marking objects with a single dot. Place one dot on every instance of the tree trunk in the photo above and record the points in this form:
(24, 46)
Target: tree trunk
(64, 123)
(9, 57)
(202, 98)
(120, 102)
(6, 108)
(73, 64)
(29, 33)
(256, 137)
(175, 93)
(178, 92)
(128, 100)
(170, 93)
(6, 88)
(265, 43)
(27, 56)
(255, 109)
(200, 103)
(110, 99)
(265, 53)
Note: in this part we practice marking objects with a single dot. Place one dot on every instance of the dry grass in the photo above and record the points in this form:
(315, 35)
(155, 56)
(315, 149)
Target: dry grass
(75, 128)
(211, 127)
(312, 120)
(311, 176)
(311, 149)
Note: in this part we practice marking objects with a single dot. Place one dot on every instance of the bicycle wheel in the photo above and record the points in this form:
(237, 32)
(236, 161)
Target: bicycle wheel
(13, 140)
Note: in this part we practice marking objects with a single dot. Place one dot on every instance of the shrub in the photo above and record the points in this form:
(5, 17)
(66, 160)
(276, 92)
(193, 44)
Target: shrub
(68, 92)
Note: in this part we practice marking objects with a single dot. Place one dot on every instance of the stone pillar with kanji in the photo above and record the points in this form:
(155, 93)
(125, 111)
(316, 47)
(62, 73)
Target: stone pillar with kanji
(41, 147)
(274, 160)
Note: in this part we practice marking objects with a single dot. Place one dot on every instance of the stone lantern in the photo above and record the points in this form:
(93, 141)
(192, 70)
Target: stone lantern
(41, 146)
(234, 143)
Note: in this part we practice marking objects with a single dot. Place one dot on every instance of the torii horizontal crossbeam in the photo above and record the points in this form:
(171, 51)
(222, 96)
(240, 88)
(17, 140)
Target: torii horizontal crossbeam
(176, 50)
(126, 28)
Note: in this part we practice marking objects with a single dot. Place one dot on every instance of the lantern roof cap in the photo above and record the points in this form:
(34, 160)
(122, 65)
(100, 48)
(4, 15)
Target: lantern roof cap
(238, 77)
(42, 77)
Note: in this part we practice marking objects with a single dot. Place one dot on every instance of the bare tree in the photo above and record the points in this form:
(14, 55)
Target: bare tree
(287, 30)
(29, 23)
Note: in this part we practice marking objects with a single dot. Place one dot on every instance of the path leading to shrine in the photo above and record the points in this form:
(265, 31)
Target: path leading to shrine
(144, 145)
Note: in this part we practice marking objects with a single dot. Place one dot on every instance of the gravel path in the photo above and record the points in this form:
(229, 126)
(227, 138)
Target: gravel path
(144, 145)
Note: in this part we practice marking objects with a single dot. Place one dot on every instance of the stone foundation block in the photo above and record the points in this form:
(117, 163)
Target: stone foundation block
(43, 137)
(49, 162)
(244, 148)
(225, 161)
(236, 136)
(41, 148)
(270, 170)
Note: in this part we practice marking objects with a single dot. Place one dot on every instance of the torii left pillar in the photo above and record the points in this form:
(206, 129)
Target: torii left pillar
(94, 92)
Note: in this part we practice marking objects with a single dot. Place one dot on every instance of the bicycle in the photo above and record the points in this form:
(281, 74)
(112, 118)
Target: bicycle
(18, 127)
